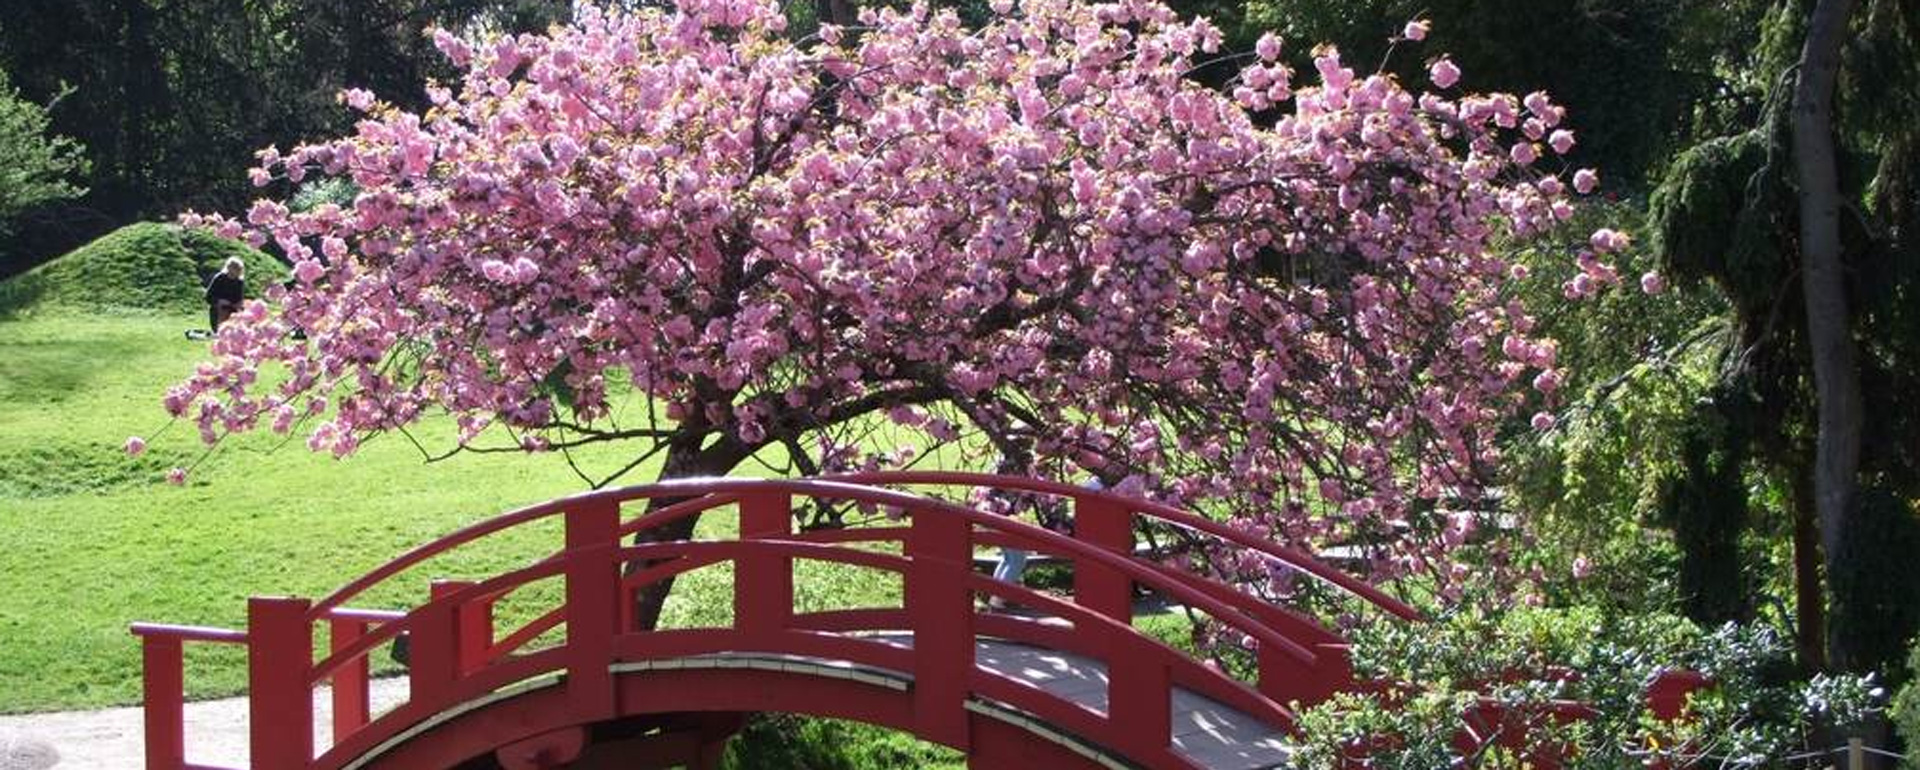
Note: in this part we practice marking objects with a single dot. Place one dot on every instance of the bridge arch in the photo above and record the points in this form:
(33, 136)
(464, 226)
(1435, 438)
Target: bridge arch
(933, 666)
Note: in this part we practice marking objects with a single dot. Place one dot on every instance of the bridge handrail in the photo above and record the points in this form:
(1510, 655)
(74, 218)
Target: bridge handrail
(1291, 557)
(676, 557)
(704, 493)
(527, 515)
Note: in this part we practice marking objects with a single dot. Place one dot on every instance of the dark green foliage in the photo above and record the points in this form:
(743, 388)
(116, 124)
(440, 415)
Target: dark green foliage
(798, 743)
(148, 266)
(1725, 214)
(1876, 594)
(171, 100)
(1759, 708)
(1631, 72)
(1638, 368)
(1706, 505)
(1703, 226)
(1906, 706)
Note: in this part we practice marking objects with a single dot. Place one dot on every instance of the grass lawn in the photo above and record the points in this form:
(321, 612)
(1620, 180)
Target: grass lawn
(95, 540)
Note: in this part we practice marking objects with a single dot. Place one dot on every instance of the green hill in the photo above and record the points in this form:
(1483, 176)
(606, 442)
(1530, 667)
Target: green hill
(149, 265)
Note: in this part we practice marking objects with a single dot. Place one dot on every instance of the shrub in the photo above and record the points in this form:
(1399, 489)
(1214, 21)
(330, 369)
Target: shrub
(1524, 661)
(800, 743)
(1906, 708)
(145, 266)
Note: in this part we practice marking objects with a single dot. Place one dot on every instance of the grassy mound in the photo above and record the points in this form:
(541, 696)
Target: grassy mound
(149, 266)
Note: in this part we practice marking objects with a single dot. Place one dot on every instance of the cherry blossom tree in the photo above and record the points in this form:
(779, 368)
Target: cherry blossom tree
(1280, 303)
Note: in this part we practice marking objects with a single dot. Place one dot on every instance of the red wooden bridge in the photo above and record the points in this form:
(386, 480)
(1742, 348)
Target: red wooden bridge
(1065, 684)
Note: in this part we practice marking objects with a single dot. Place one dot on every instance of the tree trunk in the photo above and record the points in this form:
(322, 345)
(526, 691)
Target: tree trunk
(1836, 379)
(838, 12)
(685, 459)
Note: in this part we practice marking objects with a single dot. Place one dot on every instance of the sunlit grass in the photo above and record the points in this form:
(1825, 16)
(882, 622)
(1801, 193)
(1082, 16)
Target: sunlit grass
(94, 540)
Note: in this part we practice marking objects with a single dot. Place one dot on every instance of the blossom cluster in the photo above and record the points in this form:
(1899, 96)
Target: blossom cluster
(1279, 302)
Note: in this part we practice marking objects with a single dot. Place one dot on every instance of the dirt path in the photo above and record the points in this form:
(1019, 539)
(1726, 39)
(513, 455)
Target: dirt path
(111, 739)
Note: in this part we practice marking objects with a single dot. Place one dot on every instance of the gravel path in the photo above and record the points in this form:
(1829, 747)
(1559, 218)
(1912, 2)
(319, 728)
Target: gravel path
(110, 739)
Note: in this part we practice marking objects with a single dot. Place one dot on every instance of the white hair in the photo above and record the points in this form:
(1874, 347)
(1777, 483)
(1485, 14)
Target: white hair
(235, 263)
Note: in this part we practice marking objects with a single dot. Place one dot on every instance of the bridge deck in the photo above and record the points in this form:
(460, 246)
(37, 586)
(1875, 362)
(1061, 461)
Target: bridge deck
(1211, 734)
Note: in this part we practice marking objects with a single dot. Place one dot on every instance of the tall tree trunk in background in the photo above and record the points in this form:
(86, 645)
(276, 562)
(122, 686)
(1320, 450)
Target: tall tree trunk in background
(1836, 378)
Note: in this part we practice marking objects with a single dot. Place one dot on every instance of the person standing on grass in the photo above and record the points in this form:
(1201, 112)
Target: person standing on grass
(226, 291)
(1012, 567)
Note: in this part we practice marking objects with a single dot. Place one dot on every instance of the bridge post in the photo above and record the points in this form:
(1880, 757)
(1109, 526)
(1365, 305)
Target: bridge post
(1284, 680)
(763, 585)
(433, 651)
(593, 609)
(162, 694)
(939, 606)
(1106, 524)
(279, 700)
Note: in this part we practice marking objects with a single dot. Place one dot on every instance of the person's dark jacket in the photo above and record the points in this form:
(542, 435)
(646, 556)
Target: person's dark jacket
(225, 288)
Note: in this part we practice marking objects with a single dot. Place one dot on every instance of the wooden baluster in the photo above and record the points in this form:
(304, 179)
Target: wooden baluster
(939, 607)
(1106, 524)
(280, 702)
(351, 708)
(162, 694)
(763, 585)
(592, 609)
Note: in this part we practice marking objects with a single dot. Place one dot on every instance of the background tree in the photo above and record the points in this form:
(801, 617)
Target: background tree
(40, 168)
(165, 94)
(1728, 212)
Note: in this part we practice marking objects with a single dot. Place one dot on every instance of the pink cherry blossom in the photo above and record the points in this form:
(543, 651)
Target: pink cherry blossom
(1562, 141)
(1267, 47)
(1653, 283)
(1585, 180)
(1417, 30)
(359, 99)
(1040, 234)
(1544, 421)
(135, 446)
(307, 271)
(176, 476)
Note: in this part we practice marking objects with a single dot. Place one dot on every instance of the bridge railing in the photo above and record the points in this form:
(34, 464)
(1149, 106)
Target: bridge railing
(456, 653)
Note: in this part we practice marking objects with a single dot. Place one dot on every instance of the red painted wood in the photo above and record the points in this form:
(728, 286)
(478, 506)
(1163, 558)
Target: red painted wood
(280, 704)
(350, 695)
(558, 748)
(592, 608)
(1186, 520)
(162, 686)
(472, 621)
(1139, 703)
(1103, 523)
(763, 584)
(433, 651)
(455, 658)
(940, 609)
(1001, 746)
